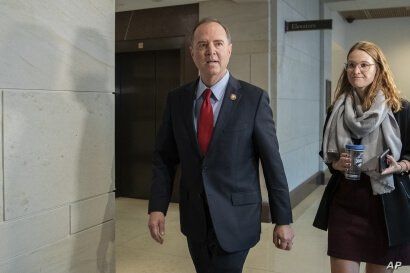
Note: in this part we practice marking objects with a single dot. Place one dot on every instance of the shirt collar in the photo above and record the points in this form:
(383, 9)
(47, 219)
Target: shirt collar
(218, 89)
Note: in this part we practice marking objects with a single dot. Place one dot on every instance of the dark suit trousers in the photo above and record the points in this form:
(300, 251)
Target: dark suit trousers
(209, 257)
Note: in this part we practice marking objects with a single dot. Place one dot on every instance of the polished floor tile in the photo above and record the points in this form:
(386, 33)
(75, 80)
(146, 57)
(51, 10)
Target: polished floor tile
(136, 252)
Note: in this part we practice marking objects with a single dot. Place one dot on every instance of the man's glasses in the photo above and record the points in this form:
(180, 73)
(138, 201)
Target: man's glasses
(364, 66)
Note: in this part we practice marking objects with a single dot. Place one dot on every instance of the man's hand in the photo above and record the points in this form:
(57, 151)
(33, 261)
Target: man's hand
(283, 237)
(156, 225)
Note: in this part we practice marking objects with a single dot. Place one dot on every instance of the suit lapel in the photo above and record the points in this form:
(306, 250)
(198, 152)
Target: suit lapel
(188, 98)
(230, 101)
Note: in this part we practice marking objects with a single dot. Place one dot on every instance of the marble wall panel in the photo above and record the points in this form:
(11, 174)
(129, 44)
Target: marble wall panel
(325, 73)
(248, 25)
(57, 45)
(1, 159)
(304, 41)
(58, 148)
(240, 66)
(246, 21)
(287, 146)
(250, 47)
(339, 29)
(260, 70)
(306, 159)
(307, 9)
(298, 75)
(297, 119)
(302, 83)
(90, 251)
(297, 129)
(27, 234)
(91, 212)
(296, 63)
(338, 60)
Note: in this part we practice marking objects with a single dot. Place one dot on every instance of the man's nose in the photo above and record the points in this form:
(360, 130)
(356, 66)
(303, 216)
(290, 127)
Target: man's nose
(210, 49)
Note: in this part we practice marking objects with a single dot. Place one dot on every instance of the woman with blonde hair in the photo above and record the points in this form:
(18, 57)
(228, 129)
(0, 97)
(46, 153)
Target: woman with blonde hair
(368, 220)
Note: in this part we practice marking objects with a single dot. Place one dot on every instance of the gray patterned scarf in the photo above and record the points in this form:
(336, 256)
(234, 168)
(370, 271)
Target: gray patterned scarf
(376, 127)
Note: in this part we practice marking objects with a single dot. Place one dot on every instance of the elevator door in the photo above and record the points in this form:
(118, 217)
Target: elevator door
(143, 80)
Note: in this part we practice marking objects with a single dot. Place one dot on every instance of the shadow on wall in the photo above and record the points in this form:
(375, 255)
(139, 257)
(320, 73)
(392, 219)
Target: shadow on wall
(25, 61)
(91, 70)
(58, 146)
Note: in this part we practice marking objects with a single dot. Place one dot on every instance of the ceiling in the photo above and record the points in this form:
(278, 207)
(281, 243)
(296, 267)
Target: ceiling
(351, 15)
(369, 9)
(348, 9)
(342, 5)
(124, 5)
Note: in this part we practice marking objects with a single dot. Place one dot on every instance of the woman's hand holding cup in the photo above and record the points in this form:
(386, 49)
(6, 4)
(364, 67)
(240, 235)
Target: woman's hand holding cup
(343, 163)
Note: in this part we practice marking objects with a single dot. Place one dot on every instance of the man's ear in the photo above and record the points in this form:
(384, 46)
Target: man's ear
(230, 49)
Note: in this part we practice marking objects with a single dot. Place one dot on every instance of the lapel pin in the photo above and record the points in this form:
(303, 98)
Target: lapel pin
(233, 97)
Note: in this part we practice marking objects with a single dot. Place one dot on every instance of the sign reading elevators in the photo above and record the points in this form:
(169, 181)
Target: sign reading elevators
(308, 25)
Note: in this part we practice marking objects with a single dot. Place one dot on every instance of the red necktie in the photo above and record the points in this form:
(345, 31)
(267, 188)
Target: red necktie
(206, 122)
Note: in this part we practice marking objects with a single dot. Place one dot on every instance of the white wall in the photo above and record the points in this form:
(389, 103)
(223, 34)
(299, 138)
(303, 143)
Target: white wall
(391, 34)
(325, 74)
(56, 84)
(296, 67)
(339, 47)
(393, 37)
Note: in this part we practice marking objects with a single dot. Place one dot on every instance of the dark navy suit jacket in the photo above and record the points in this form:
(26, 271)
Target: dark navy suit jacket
(228, 176)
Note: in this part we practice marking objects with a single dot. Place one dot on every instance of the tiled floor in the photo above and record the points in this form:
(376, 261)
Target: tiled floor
(136, 252)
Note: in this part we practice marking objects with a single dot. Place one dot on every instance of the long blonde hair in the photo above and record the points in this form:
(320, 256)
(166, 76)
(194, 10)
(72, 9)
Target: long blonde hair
(383, 80)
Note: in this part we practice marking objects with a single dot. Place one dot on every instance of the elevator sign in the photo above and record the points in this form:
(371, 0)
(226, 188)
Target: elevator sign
(308, 25)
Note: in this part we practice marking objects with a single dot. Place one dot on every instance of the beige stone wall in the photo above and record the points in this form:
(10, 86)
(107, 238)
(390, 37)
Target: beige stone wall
(56, 187)
(248, 24)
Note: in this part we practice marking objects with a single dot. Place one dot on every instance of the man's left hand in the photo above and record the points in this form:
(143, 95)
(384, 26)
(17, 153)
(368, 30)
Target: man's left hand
(283, 237)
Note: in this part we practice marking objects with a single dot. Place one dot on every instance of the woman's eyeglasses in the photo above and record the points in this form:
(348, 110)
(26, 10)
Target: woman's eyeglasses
(363, 66)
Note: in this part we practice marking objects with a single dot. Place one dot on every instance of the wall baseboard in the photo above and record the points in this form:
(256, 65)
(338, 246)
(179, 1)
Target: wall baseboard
(298, 194)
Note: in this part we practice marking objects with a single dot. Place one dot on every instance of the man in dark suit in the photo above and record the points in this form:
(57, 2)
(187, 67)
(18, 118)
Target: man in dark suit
(219, 128)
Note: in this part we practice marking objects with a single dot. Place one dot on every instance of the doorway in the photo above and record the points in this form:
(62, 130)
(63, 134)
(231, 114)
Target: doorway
(143, 80)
